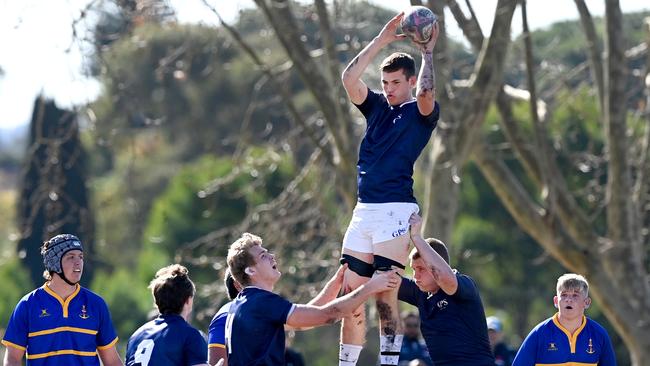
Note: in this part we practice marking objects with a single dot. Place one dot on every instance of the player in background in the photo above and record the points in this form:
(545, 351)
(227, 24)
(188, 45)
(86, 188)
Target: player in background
(217, 330)
(568, 337)
(399, 126)
(61, 323)
(169, 339)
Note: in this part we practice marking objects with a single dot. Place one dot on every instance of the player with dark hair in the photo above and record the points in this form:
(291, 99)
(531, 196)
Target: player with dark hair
(169, 339)
(61, 323)
(399, 126)
(452, 318)
(255, 323)
(217, 330)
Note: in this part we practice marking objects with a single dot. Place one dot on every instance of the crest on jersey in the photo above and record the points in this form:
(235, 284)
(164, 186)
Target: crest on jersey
(84, 313)
(551, 347)
(43, 313)
(590, 348)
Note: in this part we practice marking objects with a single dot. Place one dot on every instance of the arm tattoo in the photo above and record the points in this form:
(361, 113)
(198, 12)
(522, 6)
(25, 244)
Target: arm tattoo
(427, 77)
(352, 63)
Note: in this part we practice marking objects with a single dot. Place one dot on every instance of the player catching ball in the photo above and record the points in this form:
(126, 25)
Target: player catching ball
(398, 128)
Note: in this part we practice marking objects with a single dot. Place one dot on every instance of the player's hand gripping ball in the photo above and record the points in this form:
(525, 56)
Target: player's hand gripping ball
(418, 23)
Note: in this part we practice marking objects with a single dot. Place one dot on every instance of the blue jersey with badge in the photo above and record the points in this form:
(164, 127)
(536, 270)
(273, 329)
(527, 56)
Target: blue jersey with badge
(255, 328)
(549, 343)
(166, 340)
(54, 332)
(453, 326)
(217, 329)
(395, 137)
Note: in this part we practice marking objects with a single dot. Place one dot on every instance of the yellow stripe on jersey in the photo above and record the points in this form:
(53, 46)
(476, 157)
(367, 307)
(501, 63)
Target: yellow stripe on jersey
(62, 329)
(101, 348)
(61, 352)
(64, 303)
(216, 345)
(9, 344)
(573, 338)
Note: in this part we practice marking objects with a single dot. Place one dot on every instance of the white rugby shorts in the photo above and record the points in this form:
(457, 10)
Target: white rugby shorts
(374, 223)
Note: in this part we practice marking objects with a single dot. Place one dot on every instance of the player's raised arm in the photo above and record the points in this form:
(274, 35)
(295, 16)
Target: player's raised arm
(354, 86)
(444, 275)
(426, 85)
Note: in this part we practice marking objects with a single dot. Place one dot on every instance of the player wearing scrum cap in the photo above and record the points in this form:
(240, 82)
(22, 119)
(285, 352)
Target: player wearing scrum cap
(61, 323)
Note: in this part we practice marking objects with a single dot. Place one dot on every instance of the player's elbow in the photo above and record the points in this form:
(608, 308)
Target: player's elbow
(425, 105)
(448, 283)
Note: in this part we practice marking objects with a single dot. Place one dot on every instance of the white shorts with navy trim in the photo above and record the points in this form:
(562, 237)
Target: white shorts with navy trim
(374, 223)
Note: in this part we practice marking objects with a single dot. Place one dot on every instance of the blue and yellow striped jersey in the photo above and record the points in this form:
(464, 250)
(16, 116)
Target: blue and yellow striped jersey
(217, 329)
(550, 344)
(55, 332)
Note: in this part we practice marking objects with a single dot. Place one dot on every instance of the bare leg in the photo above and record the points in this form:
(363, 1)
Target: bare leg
(353, 328)
(390, 325)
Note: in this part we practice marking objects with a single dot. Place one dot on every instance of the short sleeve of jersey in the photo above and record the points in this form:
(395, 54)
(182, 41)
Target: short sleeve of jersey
(372, 99)
(408, 291)
(17, 329)
(106, 335)
(527, 354)
(196, 350)
(466, 287)
(434, 116)
(217, 330)
(607, 357)
(275, 307)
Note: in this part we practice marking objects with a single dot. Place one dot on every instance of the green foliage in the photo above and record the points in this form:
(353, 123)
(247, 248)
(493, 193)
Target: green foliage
(142, 168)
(17, 284)
(129, 300)
(210, 194)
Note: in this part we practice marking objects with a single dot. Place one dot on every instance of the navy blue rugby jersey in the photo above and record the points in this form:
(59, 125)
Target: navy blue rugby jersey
(255, 328)
(166, 340)
(395, 136)
(453, 326)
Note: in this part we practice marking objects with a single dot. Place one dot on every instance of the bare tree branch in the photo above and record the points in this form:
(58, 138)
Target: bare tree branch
(487, 79)
(540, 134)
(280, 16)
(593, 46)
(525, 211)
(619, 212)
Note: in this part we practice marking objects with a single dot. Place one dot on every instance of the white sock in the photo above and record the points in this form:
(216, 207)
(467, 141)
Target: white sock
(349, 354)
(389, 348)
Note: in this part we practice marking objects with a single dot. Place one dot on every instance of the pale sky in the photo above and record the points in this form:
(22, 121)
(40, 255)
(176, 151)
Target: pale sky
(38, 52)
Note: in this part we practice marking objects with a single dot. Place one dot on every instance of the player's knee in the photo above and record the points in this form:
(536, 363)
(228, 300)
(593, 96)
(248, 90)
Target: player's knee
(386, 264)
(358, 266)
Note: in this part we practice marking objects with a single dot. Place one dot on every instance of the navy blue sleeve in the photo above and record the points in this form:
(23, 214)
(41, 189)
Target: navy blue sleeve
(466, 288)
(275, 307)
(196, 350)
(408, 291)
(433, 117)
(366, 108)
